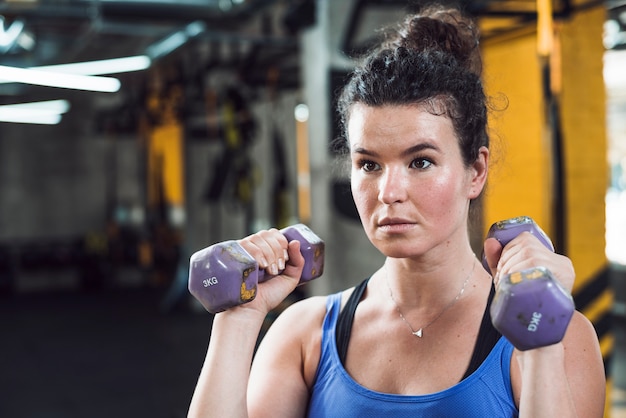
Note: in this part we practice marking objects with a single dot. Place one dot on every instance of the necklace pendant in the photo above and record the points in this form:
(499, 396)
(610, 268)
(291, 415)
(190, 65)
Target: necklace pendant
(418, 333)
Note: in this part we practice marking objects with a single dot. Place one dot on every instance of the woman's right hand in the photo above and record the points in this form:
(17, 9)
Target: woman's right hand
(279, 258)
(223, 383)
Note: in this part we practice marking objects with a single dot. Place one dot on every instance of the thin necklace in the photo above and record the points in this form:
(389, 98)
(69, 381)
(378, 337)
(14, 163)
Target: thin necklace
(420, 331)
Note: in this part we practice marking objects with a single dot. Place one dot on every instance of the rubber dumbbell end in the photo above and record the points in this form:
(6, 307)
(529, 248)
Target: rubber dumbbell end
(312, 249)
(222, 276)
(531, 309)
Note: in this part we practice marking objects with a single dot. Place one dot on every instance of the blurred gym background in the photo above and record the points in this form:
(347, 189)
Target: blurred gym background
(154, 128)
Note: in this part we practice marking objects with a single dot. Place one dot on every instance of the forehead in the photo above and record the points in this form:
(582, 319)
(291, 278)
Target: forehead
(374, 126)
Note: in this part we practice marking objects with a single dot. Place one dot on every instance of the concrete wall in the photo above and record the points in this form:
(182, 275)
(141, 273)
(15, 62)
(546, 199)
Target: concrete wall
(52, 179)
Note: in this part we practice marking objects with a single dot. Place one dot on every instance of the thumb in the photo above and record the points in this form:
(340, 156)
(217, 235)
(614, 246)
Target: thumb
(492, 249)
(296, 260)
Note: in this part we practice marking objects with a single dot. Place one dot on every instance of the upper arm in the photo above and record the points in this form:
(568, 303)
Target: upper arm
(583, 367)
(286, 358)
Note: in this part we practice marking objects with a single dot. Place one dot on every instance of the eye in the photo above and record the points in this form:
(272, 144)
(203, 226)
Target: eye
(421, 163)
(367, 165)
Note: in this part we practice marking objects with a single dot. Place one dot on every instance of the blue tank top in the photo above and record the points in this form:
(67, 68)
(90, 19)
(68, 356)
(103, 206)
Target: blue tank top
(485, 393)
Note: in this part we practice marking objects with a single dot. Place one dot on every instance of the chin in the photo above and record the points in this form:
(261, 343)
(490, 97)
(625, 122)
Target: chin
(395, 249)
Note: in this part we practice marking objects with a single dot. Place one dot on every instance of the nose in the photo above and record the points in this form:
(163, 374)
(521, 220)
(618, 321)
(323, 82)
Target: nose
(392, 186)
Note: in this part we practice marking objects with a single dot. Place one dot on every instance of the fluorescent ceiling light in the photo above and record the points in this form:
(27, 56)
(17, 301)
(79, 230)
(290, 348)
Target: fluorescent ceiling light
(50, 106)
(32, 119)
(60, 80)
(110, 66)
(47, 112)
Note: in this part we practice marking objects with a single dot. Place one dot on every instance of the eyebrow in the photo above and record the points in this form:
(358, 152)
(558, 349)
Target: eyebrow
(409, 151)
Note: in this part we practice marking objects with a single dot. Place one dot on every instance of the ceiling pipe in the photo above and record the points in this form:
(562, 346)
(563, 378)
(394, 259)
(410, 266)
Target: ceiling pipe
(137, 10)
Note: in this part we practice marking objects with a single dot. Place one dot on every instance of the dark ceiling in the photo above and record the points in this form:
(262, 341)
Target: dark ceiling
(73, 30)
(65, 31)
(57, 32)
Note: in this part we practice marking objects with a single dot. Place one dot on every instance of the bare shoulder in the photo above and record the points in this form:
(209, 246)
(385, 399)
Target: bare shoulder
(287, 359)
(298, 329)
(306, 315)
(301, 317)
(311, 306)
(296, 333)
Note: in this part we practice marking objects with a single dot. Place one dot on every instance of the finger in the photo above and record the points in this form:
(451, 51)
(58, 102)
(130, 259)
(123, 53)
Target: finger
(529, 252)
(275, 249)
(492, 252)
(296, 260)
(268, 248)
(523, 252)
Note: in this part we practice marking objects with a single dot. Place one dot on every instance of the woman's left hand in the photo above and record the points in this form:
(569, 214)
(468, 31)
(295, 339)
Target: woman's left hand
(524, 252)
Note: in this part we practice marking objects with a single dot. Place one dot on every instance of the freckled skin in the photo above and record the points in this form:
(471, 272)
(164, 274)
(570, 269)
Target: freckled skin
(410, 184)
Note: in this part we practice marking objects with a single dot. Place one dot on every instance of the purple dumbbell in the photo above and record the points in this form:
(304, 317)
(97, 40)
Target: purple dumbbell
(530, 308)
(225, 275)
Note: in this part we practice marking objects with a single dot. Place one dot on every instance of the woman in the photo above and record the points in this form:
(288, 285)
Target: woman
(415, 338)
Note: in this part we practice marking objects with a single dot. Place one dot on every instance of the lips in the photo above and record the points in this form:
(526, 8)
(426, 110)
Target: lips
(393, 221)
(395, 225)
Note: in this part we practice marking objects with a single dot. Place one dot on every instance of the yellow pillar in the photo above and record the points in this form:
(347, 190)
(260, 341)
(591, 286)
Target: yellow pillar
(583, 106)
(521, 179)
(165, 164)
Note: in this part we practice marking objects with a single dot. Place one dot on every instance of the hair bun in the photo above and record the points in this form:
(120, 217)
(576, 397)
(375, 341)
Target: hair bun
(438, 28)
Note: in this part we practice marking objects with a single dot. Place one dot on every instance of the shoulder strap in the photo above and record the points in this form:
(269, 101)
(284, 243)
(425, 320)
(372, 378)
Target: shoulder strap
(488, 336)
(346, 318)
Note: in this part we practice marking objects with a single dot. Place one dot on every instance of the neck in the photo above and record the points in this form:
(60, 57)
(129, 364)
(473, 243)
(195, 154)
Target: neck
(421, 284)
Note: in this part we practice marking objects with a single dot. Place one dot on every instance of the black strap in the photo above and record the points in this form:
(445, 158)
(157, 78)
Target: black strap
(346, 318)
(488, 336)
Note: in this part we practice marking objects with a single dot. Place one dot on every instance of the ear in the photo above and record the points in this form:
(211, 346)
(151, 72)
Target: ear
(478, 173)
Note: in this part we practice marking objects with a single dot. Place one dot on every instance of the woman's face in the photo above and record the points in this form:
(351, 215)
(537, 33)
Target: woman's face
(408, 179)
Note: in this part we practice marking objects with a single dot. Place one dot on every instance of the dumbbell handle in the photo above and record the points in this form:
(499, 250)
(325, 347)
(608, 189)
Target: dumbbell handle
(531, 308)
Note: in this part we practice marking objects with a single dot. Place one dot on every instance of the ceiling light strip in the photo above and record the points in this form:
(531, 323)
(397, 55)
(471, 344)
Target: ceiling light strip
(48, 112)
(60, 80)
(108, 66)
(51, 106)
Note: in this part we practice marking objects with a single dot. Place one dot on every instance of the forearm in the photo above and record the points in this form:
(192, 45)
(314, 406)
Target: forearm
(222, 385)
(545, 388)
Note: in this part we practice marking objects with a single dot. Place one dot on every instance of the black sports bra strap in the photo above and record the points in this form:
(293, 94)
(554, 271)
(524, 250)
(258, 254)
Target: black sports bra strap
(488, 336)
(346, 318)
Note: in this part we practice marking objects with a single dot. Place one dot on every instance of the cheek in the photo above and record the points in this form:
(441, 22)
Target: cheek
(446, 193)
(361, 194)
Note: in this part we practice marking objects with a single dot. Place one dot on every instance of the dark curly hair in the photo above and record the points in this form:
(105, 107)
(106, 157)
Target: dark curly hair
(431, 60)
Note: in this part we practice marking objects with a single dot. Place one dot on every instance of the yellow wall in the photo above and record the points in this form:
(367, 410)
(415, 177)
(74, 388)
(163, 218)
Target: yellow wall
(583, 105)
(519, 179)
